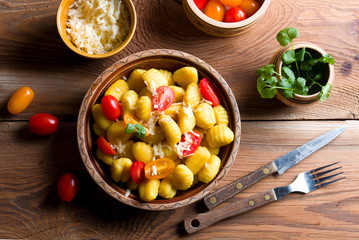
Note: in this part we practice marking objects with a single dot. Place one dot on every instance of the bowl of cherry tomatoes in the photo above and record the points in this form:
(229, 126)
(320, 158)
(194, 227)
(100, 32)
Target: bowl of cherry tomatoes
(224, 18)
(158, 129)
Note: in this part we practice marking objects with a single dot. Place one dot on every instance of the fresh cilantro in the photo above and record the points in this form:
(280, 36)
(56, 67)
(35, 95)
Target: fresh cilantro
(286, 36)
(324, 93)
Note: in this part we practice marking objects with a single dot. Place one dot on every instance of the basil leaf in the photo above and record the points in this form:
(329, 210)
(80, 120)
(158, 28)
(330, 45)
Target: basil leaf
(327, 58)
(285, 36)
(288, 57)
(266, 71)
(300, 55)
(300, 87)
(140, 131)
(324, 93)
(130, 128)
(288, 74)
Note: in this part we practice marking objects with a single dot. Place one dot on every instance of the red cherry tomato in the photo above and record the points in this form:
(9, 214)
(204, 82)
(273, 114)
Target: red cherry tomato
(105, 147)
(67, 187)
(159, 168)
(137, 171)
(163, 98)
(200, 3)
(189, 143)
(209, 92)
(43, 124)
(215, 10)
(250, 7)
(111, 107)
(234, 14)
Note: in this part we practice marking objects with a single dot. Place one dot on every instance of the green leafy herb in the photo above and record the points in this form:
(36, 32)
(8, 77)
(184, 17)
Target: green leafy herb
(301, 72)
(130, 128)
(140, 131)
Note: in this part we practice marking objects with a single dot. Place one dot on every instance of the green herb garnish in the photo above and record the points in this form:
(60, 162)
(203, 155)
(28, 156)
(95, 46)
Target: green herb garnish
(301, 72)
(138, 129)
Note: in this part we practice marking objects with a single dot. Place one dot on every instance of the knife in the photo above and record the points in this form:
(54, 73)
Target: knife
(280, 165)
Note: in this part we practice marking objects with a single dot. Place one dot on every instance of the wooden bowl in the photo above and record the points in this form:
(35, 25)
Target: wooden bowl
(161, 59)
(301, 100)
(221, 29)
(61, 20)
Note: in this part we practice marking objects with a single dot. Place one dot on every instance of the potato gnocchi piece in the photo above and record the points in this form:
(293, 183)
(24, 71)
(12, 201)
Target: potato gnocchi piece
(98, 131)
(221, 115)
(154, 79)
(201, 131)
(128, 102)
(156, 138)
(144, 108)
(107, 159)
(182, 177)
(185, 76)
(148, 189)
(171, 129)
(167, 190)
(205, 117)
(186, 121)
(124, 150)
(120, 169)
(117, 89)
(173, 111)
(210, 169)
(100, 118)
(131, 185)
(196, 161)
(179, 93)
(145, 92)
(168, 76)
(192, 96)
(135, 80)
(213, 151)
(219, 136)
(117, 133)
(142, 152)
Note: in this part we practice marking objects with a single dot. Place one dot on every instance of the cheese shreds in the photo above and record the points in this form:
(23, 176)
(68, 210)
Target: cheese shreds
(157, 150)
(97, 26)
(203, 100)
(128, 193)
(154, 170)
(188, 110)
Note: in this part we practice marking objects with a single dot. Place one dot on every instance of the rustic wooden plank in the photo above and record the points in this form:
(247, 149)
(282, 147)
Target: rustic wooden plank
(32, 53)
(30, 208)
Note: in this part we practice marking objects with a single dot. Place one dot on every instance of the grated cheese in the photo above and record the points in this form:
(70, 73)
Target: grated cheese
(154, 170)
(128, 193)
(203, 100)
(157, 150)
(188, 110)
(97, 26)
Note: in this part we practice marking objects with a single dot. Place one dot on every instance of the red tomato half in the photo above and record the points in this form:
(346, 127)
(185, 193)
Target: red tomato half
(111, 107)
(208, 92)
(163, 98)
(200, 3)
(234, 14)
(105, 147)
(137, 171)
(189, 143)
(43, 124)
(67, 187)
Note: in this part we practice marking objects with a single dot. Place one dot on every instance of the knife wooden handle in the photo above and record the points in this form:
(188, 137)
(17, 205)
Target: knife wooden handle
(239, 185)
(203, 220)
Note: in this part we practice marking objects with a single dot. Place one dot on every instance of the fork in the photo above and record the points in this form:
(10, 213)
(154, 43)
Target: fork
(305, 182)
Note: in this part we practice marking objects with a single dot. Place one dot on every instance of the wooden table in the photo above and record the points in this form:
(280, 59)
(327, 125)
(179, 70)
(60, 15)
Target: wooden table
(33, 54)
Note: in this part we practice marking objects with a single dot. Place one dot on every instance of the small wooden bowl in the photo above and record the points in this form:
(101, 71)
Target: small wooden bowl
(161, 59)
(221, 29)
(301, 100)
(61, 20)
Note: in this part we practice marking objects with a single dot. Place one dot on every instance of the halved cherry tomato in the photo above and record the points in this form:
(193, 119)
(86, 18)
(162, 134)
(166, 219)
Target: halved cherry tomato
(249, 6)
(105, 146)
(234, 14)
(215, 10)
(129, 118)
(20, 100)
(159, 168)
(231, 3)
(163, 98)
(43, 124)
(209, 92)
(67, 187)
(137, 171)
(189, 143)
(111, 107)
(200, 3)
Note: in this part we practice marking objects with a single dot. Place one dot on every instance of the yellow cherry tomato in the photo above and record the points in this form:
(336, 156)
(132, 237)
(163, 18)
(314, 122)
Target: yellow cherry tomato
(20, 100)
(159, 168)
(231, 3)
(215, 10)
(249, 6)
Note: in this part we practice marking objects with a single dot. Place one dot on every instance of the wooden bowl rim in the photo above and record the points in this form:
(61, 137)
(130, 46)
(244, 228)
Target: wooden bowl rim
(83, 126)
(61, 28)
(225, 25)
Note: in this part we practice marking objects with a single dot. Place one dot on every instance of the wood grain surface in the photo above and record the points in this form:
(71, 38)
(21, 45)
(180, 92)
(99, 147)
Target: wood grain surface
(32, 54)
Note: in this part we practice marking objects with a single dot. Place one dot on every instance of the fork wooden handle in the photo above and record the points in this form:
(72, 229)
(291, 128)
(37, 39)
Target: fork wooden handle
(239, 185)
(203, 220)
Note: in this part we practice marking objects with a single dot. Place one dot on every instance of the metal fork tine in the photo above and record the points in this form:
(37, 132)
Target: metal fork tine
(318, 169)
(320, 180)
(327, 183)
(325, 172)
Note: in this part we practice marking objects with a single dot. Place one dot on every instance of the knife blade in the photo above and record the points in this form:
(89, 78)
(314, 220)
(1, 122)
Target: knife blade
(279, 165)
